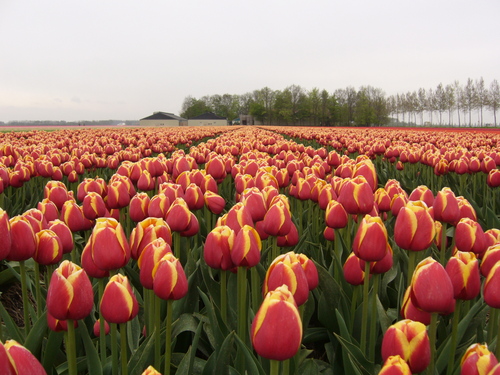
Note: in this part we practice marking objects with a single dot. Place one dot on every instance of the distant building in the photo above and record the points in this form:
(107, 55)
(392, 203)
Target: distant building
(207, 119)
(163, 119)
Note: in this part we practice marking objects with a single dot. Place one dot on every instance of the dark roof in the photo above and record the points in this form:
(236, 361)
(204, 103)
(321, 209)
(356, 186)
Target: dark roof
(162, 116)
(207, 116)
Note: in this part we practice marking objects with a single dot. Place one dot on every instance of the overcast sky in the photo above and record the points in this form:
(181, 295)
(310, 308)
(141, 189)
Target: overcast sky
(125, 59)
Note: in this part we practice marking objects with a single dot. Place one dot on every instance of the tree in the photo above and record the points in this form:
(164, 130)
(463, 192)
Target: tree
(314, 99)
(481, 98)
(440, 96)
(449, 94)
(494, 99)
(193, 107)
(469, 98)
(422, 103)
(458, 98)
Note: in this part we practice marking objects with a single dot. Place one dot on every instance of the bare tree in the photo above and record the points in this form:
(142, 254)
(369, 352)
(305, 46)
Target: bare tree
(481, 98)
(469, 98)
(422, 103)
(449, 101)
(458, 98)
(494, 99)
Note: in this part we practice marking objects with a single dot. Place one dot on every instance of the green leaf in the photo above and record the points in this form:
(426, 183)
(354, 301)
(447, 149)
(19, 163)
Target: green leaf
(329, 297)
(142, 357)
(224, 354)
(36, 336)
(357, 359)
(309, 367)
(52, 351)
(92, 357)
(12, 328)
(252, 364)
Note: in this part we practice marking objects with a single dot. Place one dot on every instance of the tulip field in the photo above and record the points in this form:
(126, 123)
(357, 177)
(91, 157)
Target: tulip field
(250, 250)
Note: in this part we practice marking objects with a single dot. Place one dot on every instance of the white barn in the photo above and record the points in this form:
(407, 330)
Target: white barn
(163, 119)
(207, 119)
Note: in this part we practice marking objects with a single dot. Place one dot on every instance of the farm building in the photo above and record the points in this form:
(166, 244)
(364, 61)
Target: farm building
(163, 119)
(207, 119)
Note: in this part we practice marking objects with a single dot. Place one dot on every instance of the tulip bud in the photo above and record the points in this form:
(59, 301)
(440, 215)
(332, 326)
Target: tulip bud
(422, 193)
(246, 248)
(57, 325)
(70, 294)
(276, 331)
(56, 192)
(463, 270)
(278, 219)
(23, 239)
(382, 200)
(119, 193)
(178, 215)
(215, 167)
(150, 371)
(146, 182)
(490, 258)
(414, 228)
(290, 239)
(88, 264)
(493, 179)
(287, 270)
(109, 245)
(48, 209)
(395, 365)
(158, 206)
(214, 202)
(477, 360)
(194, 197)
(431, 288)
(370, 242)
(354, 274)
(64, 234)
(409, 340)
(255, 202)
(217, 248)
(15, 359)
(97, 328)
(169, 278)
(118, 303)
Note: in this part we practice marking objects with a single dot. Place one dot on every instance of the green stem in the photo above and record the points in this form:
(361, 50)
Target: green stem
(274, 367)
(168, 337)
(102, 327)
(176, 238)
(492, 324)
(364, 320)
(71, 348)
(373, 326)
(354, 303)
(157, 322)
(432, 340)
(242, 315)
(114, 349)
(223, 295)
(24, 289)
(256, 288)
(38, 291)
(123, 347)
(442, 253)
(453, 342)
(412, 256)
(285, 368)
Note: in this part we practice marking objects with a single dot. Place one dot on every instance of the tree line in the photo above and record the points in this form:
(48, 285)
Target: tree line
(452, 105)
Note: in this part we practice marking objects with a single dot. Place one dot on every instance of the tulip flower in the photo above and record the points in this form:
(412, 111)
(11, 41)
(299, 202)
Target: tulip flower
(150, 371)
(410, 341)
(490, 258)
(395, 365)
(93, 206)
(491, 287)
(287, 270)
(178, 215)
(278, 219)
(152, 253)
(49, 248)
(370, 241)
(493, 179)
(57, 325)
(255, 202)
(276, 331)
(194, 197)
(353, 272)
(147, 231)
(431, 288)
(477, 360)
(49, 209)
(138, 207)
(15, 359)
(382, 200)
(70, 294)
(290, 239)
(23, 241)
(463, 270)
(335, 215)
(218, 246)
(356, 195)
(73, 217)
(214, 202)
(158, 206)
(118, 303)
(120, 192)
(246, 248)
(422, 193)
(469, 236)
(5, 235)
(239, 216)
(97, 328)
(146, 182)
(169, 278)
(409, 311)
(215, 168)
(414, 228)
(446, 206)
(109, 246)
(56, 192)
